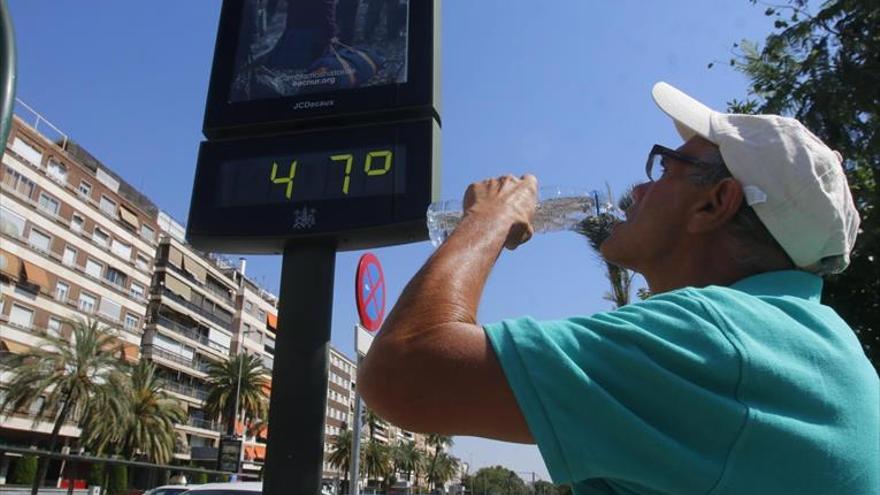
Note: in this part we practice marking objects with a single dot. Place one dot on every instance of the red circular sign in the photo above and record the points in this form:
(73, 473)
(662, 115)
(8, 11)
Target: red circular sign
(369, 292)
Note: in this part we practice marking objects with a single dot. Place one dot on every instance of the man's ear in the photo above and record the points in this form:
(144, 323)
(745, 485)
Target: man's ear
(717, 205)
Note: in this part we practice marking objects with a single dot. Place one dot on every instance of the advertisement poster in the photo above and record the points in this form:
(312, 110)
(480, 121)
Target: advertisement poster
(298, 47)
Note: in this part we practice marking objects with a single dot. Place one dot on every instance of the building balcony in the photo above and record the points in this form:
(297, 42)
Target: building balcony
(150, 351)
(223, 321)
(187, 390)
(221, 295)
(188, 332)
(204, 424)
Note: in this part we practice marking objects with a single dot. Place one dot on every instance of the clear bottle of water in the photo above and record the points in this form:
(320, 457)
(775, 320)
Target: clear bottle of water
(557, 209)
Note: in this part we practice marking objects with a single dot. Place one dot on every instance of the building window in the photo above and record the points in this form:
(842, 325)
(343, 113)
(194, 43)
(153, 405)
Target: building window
(121, 249)
(57, 171)
(49, 204)
(115, 277)
(137, 290)
(18, 183)
(131, 321)
(87, 302)
(69, 257)
(248, 306)
(62, 290)
(21, 316)
(101, 238)
(148, 233)
(110, 308)
(39, 240)
(27, 151)
(54, 327)
(107, 205)
(94, 268)
(76, 223)
(11, 223)
(84, 190)
(142, 262)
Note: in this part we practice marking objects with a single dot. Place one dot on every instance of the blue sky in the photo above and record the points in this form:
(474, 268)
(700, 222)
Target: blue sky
(560, 89)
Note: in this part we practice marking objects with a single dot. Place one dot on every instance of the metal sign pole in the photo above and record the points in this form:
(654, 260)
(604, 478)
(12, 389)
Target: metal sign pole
(354, 474)
(295, 453)
(363, 341)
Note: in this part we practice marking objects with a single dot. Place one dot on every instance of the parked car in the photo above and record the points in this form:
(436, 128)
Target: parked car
(235, 488)
(168, 490)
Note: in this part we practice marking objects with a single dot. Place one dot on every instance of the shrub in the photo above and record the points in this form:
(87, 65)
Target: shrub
(118, 480)
(24, 471)
(96, 475)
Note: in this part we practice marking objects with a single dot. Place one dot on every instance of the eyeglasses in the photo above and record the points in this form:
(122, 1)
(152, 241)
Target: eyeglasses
(658, 155)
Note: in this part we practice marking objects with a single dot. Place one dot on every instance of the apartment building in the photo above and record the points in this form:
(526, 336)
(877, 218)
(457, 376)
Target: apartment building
(75, 241)
(254, 328)
(189, 325)
(341, 390)
(340, 406)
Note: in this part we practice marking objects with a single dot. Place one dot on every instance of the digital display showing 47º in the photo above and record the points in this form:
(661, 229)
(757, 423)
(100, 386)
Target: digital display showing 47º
(338, 174)
(362, 185)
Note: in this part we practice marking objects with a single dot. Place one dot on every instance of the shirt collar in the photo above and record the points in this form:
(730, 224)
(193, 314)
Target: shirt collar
(782, 283)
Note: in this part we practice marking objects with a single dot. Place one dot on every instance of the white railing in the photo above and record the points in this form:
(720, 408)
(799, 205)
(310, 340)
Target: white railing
(26, 113)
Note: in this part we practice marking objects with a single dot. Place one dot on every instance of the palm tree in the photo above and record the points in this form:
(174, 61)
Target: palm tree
(132, 416)
(439, 443)
(445, 468)
(65, 374)
(597, 229)
(407, 458)
(376, 460)
(340, 456)
(240, 376)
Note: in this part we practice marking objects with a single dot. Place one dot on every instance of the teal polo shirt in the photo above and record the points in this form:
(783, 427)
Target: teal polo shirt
(749, 389)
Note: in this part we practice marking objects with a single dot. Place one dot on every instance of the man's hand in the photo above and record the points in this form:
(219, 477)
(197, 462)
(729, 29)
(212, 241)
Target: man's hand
(505, 199)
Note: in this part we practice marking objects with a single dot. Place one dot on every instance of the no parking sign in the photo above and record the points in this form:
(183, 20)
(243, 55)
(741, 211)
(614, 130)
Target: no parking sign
(369, 292)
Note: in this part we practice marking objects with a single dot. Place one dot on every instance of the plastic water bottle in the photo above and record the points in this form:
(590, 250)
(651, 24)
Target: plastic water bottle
(557, 209)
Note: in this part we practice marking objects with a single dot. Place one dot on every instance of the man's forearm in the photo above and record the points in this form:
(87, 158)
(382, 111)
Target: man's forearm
(431, 362)
(448, 288)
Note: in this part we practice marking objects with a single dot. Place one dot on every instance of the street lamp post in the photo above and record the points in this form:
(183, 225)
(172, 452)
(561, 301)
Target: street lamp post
(235, 422)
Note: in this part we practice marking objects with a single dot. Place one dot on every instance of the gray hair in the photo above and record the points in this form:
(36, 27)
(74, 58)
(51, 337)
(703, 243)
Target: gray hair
(755, 241)
(756, 246)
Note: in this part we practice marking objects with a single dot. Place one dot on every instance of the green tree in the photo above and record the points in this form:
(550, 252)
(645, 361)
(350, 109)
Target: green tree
(597, 229)
(24, 470)
(340, 454)
(243, 375)
(439, 443)
(132, 416)
(496, 480)
(376, 460)
(821, 66)
(408, 458)
(445, 468)
(65, 375)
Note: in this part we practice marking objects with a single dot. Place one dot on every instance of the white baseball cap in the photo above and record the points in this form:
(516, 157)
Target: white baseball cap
(793, 181)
